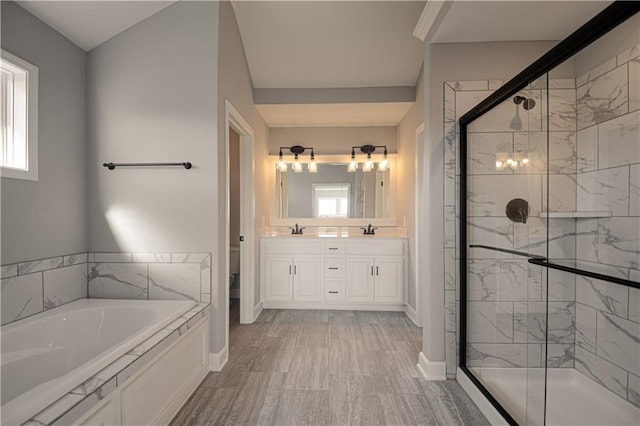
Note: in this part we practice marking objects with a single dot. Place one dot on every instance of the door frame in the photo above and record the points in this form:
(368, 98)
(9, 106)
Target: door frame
(420, 137)
(234, 120)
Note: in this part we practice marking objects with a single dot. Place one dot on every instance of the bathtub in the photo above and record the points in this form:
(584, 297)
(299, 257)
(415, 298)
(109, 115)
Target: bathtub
(49, 354)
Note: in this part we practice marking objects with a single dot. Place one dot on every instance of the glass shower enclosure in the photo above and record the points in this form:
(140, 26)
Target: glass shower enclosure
(550, 232)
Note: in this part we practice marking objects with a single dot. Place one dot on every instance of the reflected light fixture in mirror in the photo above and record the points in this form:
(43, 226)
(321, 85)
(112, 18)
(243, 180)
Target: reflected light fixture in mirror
(353, 166)
(312, 166)
(296, 150)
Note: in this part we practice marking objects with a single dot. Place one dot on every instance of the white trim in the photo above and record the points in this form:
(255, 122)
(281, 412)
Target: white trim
(432, 370)
(412, 314)
(32, 120)
(479, 399)
(416, 234)
(217, 361)
(427, 18)
(257, 310)
(333, 305)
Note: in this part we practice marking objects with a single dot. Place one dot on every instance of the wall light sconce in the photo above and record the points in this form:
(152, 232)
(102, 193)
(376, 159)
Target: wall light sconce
(296, 150)
(368, 164)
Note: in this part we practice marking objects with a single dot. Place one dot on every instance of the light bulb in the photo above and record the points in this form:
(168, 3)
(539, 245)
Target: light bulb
(312, 167)
(353, 166)
(383, 165)
(368, 165)
(509, 162)
(296, 167)
(282, 166)
(499, 164)
(525, 161)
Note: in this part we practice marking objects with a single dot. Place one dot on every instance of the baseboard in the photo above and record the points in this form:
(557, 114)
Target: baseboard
(218, 360)
(412, 314)
(479, 399)
(257, 310)
(334, 306)
(432, 370)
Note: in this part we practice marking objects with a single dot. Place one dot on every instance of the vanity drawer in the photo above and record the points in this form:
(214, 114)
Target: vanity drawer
(331, 248)
(375, 247)
(334, 290)
(291, 246)
(333, 267)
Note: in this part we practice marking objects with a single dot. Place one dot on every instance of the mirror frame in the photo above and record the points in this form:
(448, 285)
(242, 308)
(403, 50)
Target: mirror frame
(352, 221)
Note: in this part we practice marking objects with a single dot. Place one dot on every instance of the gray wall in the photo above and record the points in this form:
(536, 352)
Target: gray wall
(152, 96)
(332, 140)
(48, 218)
(235, 85)
(234, 187)
(449, 62)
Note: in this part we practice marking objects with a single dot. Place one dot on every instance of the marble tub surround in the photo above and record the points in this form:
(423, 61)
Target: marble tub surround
(153, 276)
(335, 231)
(73, 405)
(28, 288)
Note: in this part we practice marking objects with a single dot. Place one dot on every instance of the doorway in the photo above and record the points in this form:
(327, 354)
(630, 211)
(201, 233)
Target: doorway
(239, 243)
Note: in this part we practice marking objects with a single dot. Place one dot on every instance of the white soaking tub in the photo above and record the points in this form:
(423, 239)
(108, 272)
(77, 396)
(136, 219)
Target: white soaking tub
(49, 354)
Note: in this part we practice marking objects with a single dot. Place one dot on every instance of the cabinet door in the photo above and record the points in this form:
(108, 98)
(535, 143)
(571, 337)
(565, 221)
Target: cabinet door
(306, 278)
(278, 278)
(359, 285)
(389, 287)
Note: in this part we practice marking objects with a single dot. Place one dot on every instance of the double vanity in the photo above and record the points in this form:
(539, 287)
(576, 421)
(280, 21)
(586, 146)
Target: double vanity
(334, 271)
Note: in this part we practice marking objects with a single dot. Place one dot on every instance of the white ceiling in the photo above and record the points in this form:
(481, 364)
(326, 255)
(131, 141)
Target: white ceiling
(320, 44)
(478, 21)
(334, 115)
(90, 23)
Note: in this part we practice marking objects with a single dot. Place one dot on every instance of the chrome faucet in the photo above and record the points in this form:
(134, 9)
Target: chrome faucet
(369, 230)
(296, 230)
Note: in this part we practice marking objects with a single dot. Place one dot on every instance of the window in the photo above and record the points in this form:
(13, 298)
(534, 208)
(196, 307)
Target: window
(19, 117)
(331, 200)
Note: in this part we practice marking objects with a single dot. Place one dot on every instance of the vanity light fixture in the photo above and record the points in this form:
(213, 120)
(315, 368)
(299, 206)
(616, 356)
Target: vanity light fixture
(296, 150)
(368, 164)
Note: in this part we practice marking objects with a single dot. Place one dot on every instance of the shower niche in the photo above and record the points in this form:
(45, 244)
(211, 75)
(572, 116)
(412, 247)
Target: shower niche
(549, 233)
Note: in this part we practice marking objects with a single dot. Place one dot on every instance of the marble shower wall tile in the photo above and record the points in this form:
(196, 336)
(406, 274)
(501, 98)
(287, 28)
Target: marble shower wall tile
(8, 271)
(586, 327)
(449, 104)
(537, 322)
(634, 390)
(619, 141)
(466, 100)
(619, 241)
(490, 322)
(596, 72)
(562, 286)
(171, 281)
(634, 190)
(634, 84)
(603, 295)
(603, 98)
(601, 371)
(532, 237)
(634, 303)
(64, 285)
(587, 147)
(560, 355)
(497, 280)
(562, 193)
(490, 231)
(604, 190)
(587, 240)
(509, 117)
(562, 104)
(40, 265)
(628, 54)
(484, 149)
(619, 342)
(449, 226)
(497, 355)
(460, 86)
(488, 195)
(118, 281)
(21, 296)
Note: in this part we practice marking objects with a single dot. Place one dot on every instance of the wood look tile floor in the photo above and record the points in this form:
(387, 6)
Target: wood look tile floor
(299, 367)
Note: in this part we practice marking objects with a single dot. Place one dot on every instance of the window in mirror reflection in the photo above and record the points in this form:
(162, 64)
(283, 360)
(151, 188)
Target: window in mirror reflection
(331, 200)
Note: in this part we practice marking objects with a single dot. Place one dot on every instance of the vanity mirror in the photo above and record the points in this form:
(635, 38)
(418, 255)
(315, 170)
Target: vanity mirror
(334, 193)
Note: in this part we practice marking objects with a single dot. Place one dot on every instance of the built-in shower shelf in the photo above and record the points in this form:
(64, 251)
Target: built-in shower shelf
(574, 215)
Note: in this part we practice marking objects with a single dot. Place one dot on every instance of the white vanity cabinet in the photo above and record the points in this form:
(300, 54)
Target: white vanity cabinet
(356, 273)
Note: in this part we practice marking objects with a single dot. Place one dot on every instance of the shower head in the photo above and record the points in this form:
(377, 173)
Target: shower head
(527, 103)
